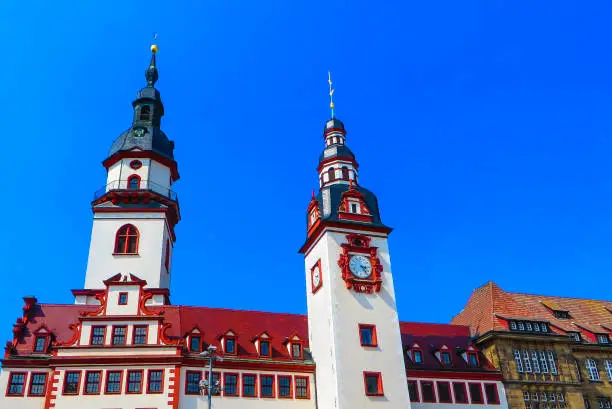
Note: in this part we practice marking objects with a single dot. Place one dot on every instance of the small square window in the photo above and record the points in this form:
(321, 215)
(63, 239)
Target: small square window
(123, 298)
(367, 335)
(373, 384)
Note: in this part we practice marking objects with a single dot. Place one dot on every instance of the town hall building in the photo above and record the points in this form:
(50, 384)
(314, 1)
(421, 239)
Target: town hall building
(123, 345)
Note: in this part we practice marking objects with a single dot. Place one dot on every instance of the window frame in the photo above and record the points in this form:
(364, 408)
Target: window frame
(278, 385)
(379, 383)
(604, 337)
(412, 355)
(78, 383)
(225, 375)
(31, 383)
(230, 338)
(267, 341)
(129, 182)
(127, 235)
(218, 376)
(417, 396)
(187, 373)
(433, 391)
(106, 379)
(255, 386)
(450, 393)
(482, 397)
(295, 388)
(373, 335)
(146, 334)
(161, 381)
(486, 395)
(92, 334)
(465, 393)
(594, 368)
(114, 327)
(608, 368)
(191, 339)
(518, 360)
(273, 387)
(127, 381)
(10, 382)
(446, 352)
(469, 356)
(87, 373)
(45, 347)
(122, 298)
(298, 344)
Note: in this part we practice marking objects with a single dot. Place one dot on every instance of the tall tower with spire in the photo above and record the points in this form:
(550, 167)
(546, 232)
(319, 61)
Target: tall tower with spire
(135, 212)
(352, 316)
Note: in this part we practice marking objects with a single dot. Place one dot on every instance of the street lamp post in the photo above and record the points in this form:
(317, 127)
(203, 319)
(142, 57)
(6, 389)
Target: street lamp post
(208, 385)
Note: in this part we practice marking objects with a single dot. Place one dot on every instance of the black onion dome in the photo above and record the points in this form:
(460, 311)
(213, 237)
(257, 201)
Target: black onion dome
(330, 197)
(334, 123)
(153, 139)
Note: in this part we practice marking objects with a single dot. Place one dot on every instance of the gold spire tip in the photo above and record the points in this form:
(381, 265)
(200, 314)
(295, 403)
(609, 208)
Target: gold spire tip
(154, 48)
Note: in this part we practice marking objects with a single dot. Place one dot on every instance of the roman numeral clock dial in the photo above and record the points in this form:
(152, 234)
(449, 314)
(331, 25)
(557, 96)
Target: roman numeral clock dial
(360, 266)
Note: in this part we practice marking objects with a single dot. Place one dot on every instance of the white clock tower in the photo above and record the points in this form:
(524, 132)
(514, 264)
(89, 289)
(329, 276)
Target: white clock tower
(352, 316)
(136, 211)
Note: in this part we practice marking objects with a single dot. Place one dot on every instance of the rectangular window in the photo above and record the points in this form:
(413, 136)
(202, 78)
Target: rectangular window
(302, 387)
(119, 335)
(134, 381)
(526, 361)
(123, 298)
(417, 356)
(476, 393)
(521, 326)
(513, 325)
(591, 367)
(284, 387)
(427, 390)
(230, 346)
(367, 335)
(544, 327)
(491, 393)
(518, 360)
(97, 335)
(71, 383)
(230, 384)
(445, 357)
(38, 382)
(194, 343)
(574, 336)
(265, 348)
(552, 363)
(373, 383)
(92, 382)
(16, 384)
(603, 339)
(543, 361)
(192, 383)
(40, 343)
(140, 334)
(587, 403)
(413, 391)
(113, 382)
(266, 383)
(444, 393)
(604, 403)
(249, 385)
(608, 366)
(528, 326)
(472, 359)
(536, 327)
(535, 361)
(296, 350)
(216, 384)
(460, 392)
(155, 381)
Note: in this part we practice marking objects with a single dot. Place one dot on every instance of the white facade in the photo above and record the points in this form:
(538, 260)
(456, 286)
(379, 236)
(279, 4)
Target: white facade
(334, 316)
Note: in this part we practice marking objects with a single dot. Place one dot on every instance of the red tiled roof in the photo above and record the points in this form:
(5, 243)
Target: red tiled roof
(489, 304)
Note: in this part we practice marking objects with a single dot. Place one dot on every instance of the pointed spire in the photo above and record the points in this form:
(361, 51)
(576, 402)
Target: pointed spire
(151, 73)
(331, 95)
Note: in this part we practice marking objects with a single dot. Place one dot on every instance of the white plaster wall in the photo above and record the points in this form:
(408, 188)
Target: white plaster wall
(150, 170)
(133, 297)
(113, 176)
(503, 402)
(147, 264)
(160, 176)
(239, 402)
(16, 402)
(334, 314)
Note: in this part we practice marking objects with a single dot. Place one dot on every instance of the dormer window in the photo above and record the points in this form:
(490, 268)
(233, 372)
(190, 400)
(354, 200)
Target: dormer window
(296, 350)
(603, 339)
(561, 314)
(264, 348)
(445, 357)
(528, 326)
(416, 354)
(354, 208)
(145, 113)
(472, 359)
(230, 345)
(574, 336)
(40, 343)
(194, 343)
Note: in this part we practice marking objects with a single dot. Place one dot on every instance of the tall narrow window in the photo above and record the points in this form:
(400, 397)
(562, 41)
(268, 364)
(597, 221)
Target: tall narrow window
(591, 367)
(119, 335)
(331, 174)
(155, 381)
(71, 383)
(491, 393)
(526, 361)
(284, 387)
(97, 335)
(40, 344)
(373, 384)
(445, 357)
(345, 173)
(113, 382)
(248, 385)
(476, 393)
(518, 360)
(194, 343)
(264, 348)
(133, 182)
(417, 356)
(140, 334)
(608, 366)
(413, 391)
(444, 394)
(230, 384)
(16, 384)
(535, 361)
(38, 383)
(167, 257)
(296, 350)
(552, 362)
(460, 392)
(267, 386)
(92, 382)
(427, 390)
(134, 381)
(126, 241)
(145, 113)
(543, 361)
(192, 383)
(472, 359)
(302, 387)
(230, 345)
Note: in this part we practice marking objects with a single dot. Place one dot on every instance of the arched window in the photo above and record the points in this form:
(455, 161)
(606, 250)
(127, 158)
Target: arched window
(126, 241)
(331, 173)
(345, 173)
(133, 182)
(145, 113)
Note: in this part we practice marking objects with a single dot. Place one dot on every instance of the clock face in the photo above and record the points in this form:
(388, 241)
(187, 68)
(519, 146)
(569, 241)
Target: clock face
(316, 277)
(360, 266)
(139, 132)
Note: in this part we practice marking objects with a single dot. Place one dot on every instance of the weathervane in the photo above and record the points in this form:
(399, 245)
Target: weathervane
(331, 95)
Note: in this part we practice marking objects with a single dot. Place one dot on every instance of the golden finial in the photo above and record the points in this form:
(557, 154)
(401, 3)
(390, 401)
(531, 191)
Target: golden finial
(154, 48)
(331, 94)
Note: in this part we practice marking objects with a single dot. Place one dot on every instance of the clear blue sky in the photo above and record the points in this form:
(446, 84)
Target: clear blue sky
(484, 127)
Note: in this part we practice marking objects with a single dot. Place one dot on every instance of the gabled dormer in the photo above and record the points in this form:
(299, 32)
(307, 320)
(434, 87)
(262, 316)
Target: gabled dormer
(194, 340)
(295, 346)
(415, 353)
(353, 206)
(556, 309)
(41, 340)
(229, 343)
(263, 344)
(444, 355)
(470, 356)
